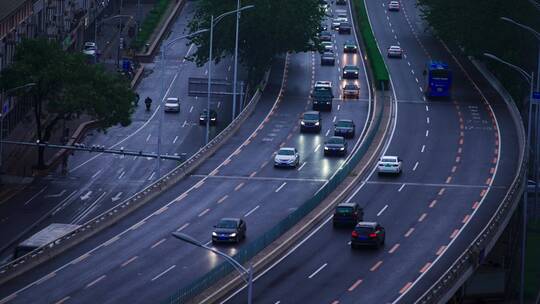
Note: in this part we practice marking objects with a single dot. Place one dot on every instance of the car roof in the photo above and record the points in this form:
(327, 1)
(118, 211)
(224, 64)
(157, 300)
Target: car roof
(395, 47)
(288, 148)
(367, 224)
(350, 42)
(173, 98)
(389, 156)
(350, 67)
(344, 204)
(345, 120)
(230, 219)
(351, 85)
(328, 54)
(312, 112)
(336, 138)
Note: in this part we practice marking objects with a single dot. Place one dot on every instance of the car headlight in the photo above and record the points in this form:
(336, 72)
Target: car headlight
(326, 148)
(355, 72)
(342, 148)
(201, 118)
(232, 234)
(302, 123)
(213, 118)
(214, 233)
(317, 123)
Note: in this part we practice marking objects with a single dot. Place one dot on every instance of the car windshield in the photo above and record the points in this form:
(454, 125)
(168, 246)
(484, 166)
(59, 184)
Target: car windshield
(335, 140)
(311, 117)
(388, 160)
(364, 230)
(344, 210)
(328, 54)
(350, 43)
(351, 87)
(226, 224)
(351, 68)
(286, 152)
(347, 124)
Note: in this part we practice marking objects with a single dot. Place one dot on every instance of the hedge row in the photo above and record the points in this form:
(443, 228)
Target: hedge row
(375, 58)
(150, 23)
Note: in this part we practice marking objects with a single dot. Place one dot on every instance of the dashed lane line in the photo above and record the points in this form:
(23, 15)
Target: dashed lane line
(317, 271)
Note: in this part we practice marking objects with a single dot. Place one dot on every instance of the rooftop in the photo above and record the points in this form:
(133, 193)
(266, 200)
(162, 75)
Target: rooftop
(8, 6)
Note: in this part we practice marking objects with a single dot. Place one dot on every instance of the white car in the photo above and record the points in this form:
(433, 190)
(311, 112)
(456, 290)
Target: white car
(90, 48)
(287, 157)
(328, 46)
(172, 104)
(393, 6)
(389, 164)
(395, 51)
(337, 21)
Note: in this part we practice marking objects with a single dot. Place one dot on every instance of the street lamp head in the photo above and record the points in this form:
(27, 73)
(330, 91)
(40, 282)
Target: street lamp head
(186, 238)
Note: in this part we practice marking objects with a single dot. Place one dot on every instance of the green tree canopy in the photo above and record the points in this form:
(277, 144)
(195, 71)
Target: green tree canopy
(271, 28)
(66, 87)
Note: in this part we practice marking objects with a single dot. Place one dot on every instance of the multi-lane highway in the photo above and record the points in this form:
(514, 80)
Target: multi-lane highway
(460, 156)
(96, 182)
(137, 260)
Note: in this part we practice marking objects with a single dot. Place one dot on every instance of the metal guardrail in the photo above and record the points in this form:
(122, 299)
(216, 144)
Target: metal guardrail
(253, 248)
(483, 243)
(129, 205)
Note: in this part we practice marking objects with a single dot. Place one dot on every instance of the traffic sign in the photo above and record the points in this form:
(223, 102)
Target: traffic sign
(536, 95)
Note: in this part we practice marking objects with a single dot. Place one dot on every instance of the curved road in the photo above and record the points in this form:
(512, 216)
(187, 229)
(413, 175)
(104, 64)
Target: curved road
(459, 158)
(137, 260)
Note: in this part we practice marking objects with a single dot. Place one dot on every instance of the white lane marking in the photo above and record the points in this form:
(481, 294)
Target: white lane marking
(205, 211)
(416, 80)
(97, 173)
(117, 196)
(183, 227)
(164, 272)
(152, 176)
(427, 119)
(175, 139)
(338, 107)
(412, 72)
(86, 196)
(51, 195)
(88, 210)
(427, 133)
(401, 188)
(317, 148)
(191, 109)
(334, 120)
(35, 195)
(94, 282)
(415, 165)
(148, 137)
(280, 187)
(302, 166)
(382, 210)
(251, 211)
(317, 271)
(423, 148)
(327, 132)
(121, 174)
(409, 63)
(184, 124)
(218, 104)
(64, 202)
(427, 108)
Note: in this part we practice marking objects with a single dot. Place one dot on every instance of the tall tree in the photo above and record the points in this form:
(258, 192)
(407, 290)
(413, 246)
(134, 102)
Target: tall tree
(66, 87)
(271, 28)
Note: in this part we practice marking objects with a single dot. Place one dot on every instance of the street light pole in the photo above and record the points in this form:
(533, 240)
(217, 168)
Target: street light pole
(247, 273)
(235, 77)
(530, 79)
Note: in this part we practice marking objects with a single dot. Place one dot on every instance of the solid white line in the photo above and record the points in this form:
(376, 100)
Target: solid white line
(164, 272)
(62, 204)
(35, 195)
(317, 148)
(302, 166)
(175, 139)
(88, 210)
(382, 210)
(280, 187)
(317, 271)
(251, 211)
(415, 165)
(401, 188)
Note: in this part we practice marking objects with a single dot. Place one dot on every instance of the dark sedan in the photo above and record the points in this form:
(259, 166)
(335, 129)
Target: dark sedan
(328, 58)
(335, 145)
(351, 72)
(345, 128)
(345, 28)
(311, 122)
(229, 230)
(347, 214)
(368, 234)
(325, 36)
(204, 115)
(350, 47)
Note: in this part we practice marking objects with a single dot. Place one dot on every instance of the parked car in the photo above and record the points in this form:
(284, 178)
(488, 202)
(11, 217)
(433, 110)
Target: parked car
(204, 115)
(328, 58)
(350, 47)
(368, 234)
(345, 128)
(229, 230)
(287, 157)
(395, 51)
(90, 48)
(351, 90)
(350, 72)
(393, 6)
(389, 164)
(311, 121)
(347, 214)
(335, 145)
(344, 28)
(172, 104)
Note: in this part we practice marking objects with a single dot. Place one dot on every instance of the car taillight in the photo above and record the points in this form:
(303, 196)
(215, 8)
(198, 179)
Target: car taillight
(373, 235)
(354, 234)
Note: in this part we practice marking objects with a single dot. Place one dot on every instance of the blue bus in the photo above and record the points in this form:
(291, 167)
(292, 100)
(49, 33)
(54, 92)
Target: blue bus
(438, 80)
